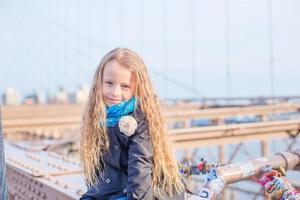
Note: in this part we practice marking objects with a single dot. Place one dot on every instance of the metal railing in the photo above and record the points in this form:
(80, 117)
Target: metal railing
(3, 186)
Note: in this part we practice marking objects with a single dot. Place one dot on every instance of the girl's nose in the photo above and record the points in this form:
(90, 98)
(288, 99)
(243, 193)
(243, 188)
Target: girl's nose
(116, 91)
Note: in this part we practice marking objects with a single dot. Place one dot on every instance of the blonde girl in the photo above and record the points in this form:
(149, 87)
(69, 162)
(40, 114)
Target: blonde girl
(124, 146)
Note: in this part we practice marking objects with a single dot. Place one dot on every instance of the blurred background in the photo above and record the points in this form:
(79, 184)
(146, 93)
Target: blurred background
(231, 65)
(194, 48)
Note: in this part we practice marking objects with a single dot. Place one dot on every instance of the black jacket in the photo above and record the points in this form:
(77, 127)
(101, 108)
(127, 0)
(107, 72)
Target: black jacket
(127, 165)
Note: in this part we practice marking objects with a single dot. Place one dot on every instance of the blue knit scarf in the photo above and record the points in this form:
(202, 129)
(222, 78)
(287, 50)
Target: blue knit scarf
(115, 112)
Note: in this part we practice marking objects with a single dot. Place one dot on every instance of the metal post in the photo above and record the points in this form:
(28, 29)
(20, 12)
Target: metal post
(3, 186)
(264, 148)
(187, 123)
(222, 153)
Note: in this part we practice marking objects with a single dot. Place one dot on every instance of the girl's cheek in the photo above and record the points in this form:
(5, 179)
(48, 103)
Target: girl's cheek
(128, 95)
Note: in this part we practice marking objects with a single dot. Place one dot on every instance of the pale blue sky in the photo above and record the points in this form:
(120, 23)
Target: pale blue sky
(46, 44)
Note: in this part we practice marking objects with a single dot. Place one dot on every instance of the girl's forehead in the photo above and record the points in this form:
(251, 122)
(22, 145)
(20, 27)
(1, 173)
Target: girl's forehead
(114, 70)
(115, 67)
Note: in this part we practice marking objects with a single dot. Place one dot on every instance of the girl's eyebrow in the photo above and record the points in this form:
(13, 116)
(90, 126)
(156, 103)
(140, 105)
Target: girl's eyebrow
(107, 79)
(111, 80)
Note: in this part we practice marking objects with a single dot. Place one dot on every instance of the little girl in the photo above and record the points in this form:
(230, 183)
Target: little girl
(124, 146)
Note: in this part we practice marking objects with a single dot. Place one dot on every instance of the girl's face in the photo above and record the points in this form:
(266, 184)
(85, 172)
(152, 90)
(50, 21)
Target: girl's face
(118, 83)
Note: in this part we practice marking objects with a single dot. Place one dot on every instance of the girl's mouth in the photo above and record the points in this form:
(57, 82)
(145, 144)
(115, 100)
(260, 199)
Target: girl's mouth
(115, 101)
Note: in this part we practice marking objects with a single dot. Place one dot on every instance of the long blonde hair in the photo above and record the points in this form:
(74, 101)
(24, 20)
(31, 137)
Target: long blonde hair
(94, 140)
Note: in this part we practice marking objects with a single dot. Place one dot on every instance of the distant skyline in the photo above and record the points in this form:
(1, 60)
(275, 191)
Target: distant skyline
(50, 44)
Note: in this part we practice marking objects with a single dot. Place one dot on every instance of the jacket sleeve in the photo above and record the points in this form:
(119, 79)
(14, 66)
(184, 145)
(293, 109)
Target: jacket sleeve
(140, 157)
(88, 195)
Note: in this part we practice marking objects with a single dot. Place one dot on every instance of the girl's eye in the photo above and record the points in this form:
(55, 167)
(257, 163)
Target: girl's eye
(125, 86)
(108, 82)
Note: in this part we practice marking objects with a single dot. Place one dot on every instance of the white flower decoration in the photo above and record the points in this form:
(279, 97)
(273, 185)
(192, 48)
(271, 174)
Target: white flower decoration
(127, 125)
